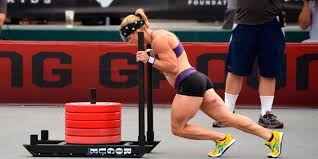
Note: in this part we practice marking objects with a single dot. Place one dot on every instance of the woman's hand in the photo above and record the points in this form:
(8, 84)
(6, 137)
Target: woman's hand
(142, 56)
(150, 52)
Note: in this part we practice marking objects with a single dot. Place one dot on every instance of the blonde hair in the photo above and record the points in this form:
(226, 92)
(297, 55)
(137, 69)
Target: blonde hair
(139, 15)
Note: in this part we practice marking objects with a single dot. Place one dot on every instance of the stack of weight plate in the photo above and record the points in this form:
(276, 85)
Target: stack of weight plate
(87, 123)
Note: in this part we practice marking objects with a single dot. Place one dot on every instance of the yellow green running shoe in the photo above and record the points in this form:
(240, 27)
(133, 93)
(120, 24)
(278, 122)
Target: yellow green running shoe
(222, 146)
(275, 144)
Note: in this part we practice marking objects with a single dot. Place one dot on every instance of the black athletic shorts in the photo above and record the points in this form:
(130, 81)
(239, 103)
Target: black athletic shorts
(192, 83)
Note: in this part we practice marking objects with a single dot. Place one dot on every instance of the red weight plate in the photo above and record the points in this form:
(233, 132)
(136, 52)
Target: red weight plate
(86, 107)
(92, 132)
(92, 124)
(92, 140)
(93, 116)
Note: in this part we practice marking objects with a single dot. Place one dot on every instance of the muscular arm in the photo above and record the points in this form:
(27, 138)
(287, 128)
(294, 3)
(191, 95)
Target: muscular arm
(2, 19)
(167, 61)
(304, 19)
(3, 11)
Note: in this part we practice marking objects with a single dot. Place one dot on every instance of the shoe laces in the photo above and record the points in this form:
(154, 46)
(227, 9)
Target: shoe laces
(219, 146)
(270, 117)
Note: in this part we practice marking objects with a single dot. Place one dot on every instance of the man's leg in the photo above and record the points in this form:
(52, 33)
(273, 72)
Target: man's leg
(232, 90)
(271, 64)
(266, 92)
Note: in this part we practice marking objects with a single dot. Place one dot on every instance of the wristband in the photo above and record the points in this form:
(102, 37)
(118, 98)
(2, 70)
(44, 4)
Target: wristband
(151, 60)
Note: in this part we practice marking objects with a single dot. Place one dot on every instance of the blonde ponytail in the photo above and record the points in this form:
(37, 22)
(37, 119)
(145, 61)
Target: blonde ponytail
(139, 15)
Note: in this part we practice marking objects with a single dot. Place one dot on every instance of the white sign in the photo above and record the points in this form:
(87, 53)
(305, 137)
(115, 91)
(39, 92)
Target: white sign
(105, 3)
(30, 1)
(207, 2)
(110, 151)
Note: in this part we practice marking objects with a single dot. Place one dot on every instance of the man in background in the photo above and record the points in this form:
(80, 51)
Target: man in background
(3, 12)
(308, 18)
(257, 36)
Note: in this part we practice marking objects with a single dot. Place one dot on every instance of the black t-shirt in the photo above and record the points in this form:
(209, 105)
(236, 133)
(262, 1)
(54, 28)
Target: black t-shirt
(254, 12)
(3, 6)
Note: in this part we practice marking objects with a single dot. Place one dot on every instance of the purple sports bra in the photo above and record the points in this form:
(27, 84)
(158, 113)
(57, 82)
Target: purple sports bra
(178, 50)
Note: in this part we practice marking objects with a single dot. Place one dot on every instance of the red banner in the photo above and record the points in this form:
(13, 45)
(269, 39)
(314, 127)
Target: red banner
(59, 72)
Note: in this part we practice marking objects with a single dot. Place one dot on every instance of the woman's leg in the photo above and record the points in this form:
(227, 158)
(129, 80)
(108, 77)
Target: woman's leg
(214, 107)
(183, 109)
